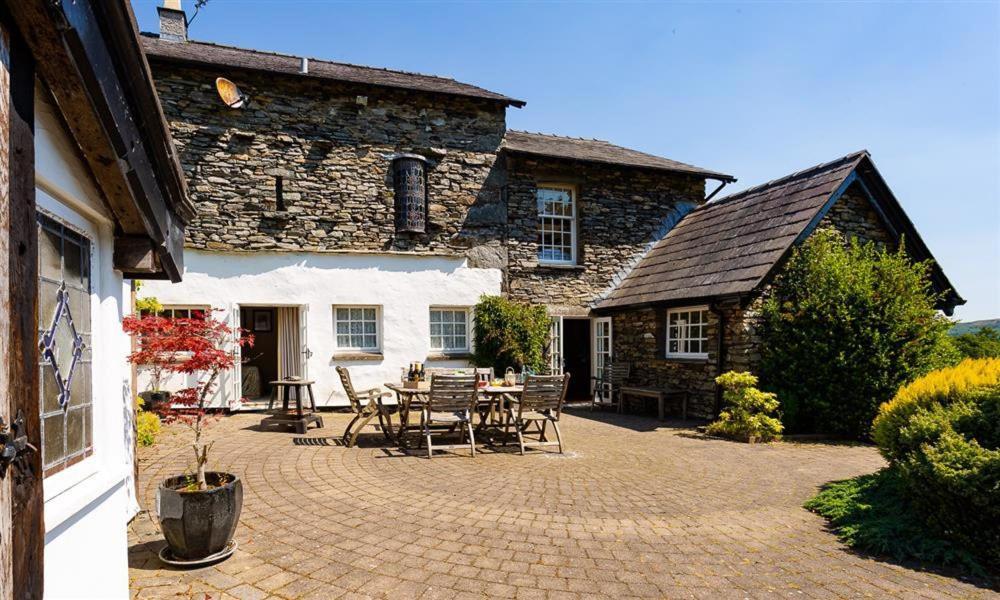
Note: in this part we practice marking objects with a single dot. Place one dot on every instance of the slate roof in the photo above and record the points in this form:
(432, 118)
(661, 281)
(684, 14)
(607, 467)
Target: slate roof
(599, 151)
(206, 53)
(727, 247)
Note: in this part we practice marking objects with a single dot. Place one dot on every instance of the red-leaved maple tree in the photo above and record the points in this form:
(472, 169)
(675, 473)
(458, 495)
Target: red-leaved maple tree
(199, 346)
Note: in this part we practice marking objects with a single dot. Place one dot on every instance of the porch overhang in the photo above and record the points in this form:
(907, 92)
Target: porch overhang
(89, 56)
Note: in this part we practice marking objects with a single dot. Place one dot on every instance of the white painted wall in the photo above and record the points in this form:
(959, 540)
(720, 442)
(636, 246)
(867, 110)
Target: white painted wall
(88, 505)
(405, 287)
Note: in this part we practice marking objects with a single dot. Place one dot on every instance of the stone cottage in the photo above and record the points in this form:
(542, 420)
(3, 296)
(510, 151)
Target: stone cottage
(353, 216)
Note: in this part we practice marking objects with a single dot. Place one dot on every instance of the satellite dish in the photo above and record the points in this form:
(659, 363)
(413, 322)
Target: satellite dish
(231, 94)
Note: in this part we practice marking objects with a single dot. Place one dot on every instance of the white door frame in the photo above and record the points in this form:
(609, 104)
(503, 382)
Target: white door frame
(596, 364)
(556, 359)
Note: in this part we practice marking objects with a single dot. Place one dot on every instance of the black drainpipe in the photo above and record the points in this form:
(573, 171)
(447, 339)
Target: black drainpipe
(720, 354)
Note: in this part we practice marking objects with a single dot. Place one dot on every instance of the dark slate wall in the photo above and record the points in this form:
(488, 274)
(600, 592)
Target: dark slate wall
(334, 155)
(619, 212)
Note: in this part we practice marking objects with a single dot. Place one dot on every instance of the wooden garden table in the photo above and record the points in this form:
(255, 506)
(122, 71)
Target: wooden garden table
(491, 398)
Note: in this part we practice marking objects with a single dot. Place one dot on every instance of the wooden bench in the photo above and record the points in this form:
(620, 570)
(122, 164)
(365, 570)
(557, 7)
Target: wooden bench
(661, 397)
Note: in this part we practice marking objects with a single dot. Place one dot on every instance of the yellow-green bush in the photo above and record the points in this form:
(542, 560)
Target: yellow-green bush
(147, 425)
(941, 433)
(747, 416)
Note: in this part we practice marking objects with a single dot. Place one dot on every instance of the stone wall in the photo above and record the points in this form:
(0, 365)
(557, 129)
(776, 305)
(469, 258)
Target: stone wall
(619, 212)
(333, 152)
(639, 334)
(855, 217)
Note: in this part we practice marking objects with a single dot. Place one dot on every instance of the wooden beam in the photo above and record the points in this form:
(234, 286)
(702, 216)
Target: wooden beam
(135, 256)
(19, 314)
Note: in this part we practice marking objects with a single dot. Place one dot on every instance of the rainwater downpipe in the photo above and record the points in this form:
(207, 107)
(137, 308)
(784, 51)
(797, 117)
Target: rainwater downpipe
(720, 353)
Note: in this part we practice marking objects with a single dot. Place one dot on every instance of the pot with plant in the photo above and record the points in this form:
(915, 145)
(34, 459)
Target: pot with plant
(154, 396)
(198, 511)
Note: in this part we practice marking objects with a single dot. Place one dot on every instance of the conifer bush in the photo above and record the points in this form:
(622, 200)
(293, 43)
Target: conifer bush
(510, 334)
(941, 434)
(748, 413)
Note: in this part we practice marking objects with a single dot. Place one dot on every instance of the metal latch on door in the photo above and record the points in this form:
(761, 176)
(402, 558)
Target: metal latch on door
(13, 442)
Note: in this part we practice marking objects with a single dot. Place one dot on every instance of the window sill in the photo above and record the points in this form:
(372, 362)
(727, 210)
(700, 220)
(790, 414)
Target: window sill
(463, 355)
(687, 358)
(358, 355)
(560, 267)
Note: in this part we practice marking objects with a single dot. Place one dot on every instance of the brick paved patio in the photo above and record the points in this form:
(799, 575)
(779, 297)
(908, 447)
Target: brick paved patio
(636, 509)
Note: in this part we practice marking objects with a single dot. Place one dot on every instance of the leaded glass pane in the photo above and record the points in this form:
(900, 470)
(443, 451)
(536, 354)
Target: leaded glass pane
(64, 317)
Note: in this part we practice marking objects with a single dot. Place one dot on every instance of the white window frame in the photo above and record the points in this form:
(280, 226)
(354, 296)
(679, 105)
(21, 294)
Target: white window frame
(468, 329)
(572, 222)
(378, 328)
(687, 337)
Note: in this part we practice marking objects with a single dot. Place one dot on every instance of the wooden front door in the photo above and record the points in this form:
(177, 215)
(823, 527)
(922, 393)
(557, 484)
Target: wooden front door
(22, 529)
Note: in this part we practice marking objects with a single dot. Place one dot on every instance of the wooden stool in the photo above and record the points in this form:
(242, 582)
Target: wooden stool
(285, 417)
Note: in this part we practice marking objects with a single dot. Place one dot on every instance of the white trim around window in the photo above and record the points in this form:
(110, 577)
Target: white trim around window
(450, 329)
(556, 223)
(357, 328)
(687, 332)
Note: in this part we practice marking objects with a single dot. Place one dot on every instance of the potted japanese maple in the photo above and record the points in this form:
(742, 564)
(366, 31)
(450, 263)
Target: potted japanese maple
(198, 511)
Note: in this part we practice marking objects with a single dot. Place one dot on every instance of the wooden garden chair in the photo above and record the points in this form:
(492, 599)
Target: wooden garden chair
(540, 404)
(608, 385)
(366, 406)
(451, 402)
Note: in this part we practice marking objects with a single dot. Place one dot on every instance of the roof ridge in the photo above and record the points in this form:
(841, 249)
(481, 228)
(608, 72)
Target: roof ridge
(563, 137)
(774, 182)
(311, 58)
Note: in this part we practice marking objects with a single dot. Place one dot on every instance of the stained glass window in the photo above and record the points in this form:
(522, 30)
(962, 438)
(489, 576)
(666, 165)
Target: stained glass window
(64, 337)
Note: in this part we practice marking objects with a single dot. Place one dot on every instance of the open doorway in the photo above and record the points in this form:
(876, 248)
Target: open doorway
(278, 351)
(577, 357)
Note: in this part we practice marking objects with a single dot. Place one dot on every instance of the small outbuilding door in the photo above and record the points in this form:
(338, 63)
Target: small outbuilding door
(577, 357)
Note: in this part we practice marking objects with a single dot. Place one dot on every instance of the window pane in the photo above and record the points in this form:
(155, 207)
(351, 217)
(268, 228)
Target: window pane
(355, 314)
(74, 431)
(673, 346)
(49, 244)
(370, 341)
(370, 314)
(50, 389)
(53, 434)
(343, 327)
(436, 342)
(369, 326)
(343, 314)
(344, 341)
(435, 316)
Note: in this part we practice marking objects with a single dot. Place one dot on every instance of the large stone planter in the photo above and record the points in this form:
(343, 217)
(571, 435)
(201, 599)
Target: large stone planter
(199, 524)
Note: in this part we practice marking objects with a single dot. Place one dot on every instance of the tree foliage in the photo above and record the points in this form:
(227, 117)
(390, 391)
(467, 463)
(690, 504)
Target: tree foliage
(844, 326)
(189, 347)
(510, 334)
(748, 413)
(984, 343)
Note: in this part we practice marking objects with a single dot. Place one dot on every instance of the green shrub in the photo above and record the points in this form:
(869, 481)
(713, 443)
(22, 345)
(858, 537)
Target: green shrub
(148, 305)
(941, 434)
(510, 334)
(874, 513)
(147, 425)
(843, 327)
(747, 416)
(984, 343)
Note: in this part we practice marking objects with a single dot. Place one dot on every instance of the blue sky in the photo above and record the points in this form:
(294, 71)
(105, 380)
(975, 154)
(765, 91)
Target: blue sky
(757, 90)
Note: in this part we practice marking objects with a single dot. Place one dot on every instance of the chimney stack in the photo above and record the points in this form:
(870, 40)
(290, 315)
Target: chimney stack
(173, 21)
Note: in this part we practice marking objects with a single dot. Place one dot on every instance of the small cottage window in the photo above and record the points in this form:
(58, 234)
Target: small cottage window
(64, 314)
(450, 329)
(409, 177)
(687, 332)
(356, 328)
(556, 224)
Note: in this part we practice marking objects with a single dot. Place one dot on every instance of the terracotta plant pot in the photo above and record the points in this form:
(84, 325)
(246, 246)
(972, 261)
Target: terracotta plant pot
(198, 524)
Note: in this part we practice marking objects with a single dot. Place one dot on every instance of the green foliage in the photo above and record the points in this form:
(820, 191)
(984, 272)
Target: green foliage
(984, 343)
(748, 410)
(147, 425)
(148, 305)
(510, 334)
(873, 513)
(941, 435)
(845, 325)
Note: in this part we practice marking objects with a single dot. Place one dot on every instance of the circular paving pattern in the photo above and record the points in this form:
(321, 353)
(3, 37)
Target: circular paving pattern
(635, 508)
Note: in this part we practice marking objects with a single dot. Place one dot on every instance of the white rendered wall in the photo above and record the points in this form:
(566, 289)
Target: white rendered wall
(404, 287)
(88, 505)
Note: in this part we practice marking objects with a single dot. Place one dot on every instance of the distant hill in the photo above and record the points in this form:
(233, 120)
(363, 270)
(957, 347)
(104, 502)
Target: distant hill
(971, 326)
